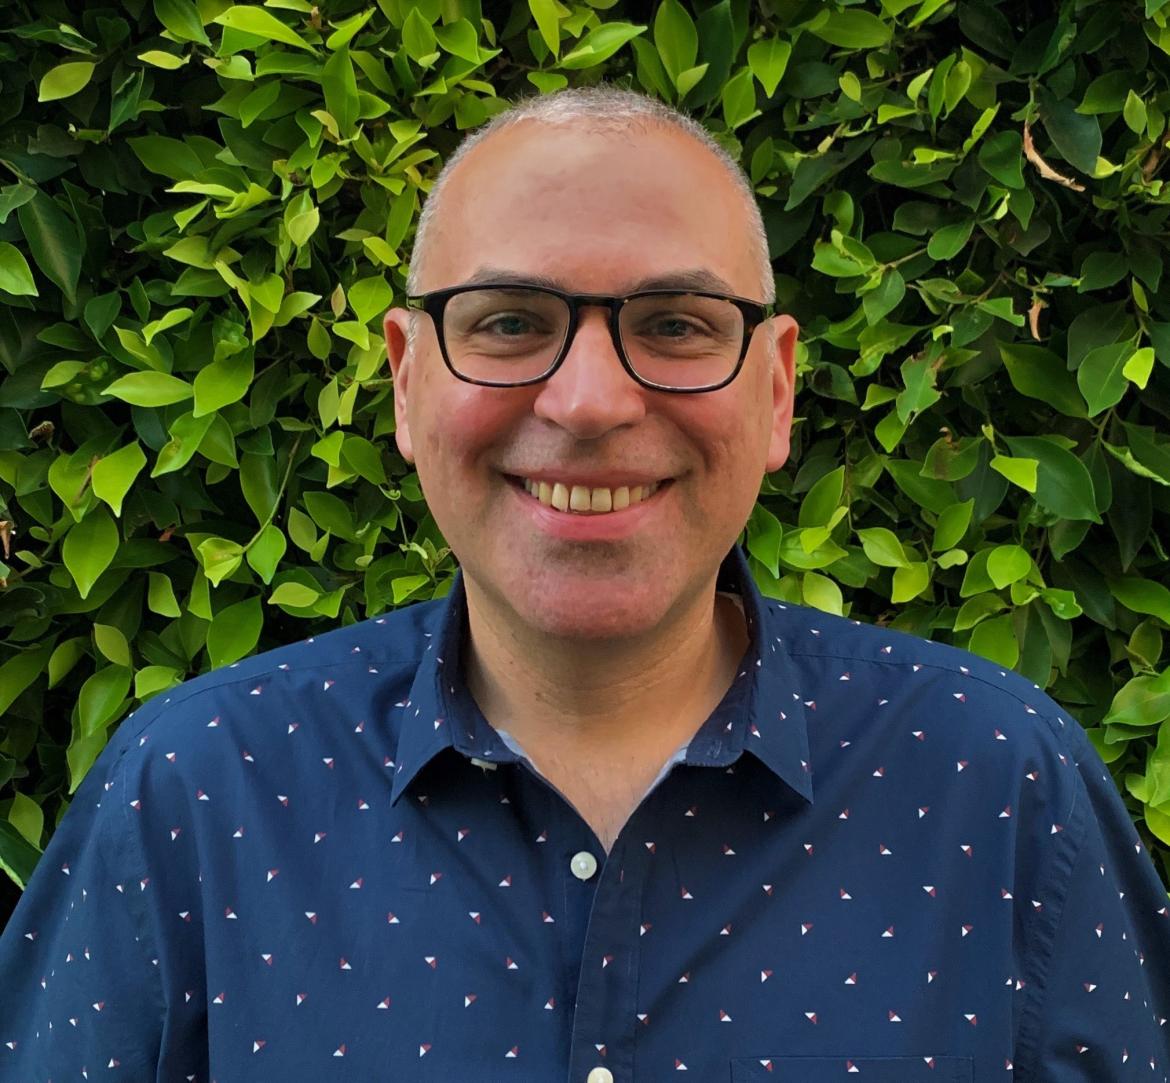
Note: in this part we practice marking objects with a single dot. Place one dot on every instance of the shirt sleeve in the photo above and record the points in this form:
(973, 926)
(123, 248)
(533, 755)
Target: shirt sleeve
(79, 987)
(1101, 1000)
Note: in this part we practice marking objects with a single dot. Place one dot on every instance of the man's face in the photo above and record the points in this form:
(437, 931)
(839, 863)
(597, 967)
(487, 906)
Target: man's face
(597, 213)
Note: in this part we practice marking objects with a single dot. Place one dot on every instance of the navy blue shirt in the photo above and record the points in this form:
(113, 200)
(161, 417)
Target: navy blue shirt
(879, 856)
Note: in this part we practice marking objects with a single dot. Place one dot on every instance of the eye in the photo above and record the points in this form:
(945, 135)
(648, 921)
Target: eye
(509, 324)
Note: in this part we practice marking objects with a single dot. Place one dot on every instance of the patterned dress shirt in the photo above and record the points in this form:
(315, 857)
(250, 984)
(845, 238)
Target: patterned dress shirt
(879, 857)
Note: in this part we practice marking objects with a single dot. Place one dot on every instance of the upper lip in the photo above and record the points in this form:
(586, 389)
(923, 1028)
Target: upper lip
(591, 479)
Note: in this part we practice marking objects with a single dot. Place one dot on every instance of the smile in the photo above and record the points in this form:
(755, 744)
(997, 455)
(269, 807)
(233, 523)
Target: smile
(586, 500)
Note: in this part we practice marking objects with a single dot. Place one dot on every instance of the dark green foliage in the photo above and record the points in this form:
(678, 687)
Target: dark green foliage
(207, 207)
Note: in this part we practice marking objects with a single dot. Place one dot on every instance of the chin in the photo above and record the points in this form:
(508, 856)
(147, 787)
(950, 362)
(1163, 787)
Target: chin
(590, 607)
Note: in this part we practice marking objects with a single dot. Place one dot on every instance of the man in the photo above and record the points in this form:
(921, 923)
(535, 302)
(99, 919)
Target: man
(604, 813)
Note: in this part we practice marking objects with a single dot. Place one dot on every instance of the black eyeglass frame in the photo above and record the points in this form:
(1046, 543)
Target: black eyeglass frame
(434, 304)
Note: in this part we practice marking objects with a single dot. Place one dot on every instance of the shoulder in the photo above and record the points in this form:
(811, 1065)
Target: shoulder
(290, 685)
(891, 685)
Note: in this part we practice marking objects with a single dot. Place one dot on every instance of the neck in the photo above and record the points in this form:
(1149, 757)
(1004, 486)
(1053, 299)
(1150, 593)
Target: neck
(637, 697)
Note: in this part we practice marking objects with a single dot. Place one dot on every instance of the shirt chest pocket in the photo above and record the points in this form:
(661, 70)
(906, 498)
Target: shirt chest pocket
(847, 1069)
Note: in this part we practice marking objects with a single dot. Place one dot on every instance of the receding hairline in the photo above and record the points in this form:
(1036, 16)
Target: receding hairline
(600, 110)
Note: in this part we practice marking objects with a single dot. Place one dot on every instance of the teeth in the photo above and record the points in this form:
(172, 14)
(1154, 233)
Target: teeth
(582, 499)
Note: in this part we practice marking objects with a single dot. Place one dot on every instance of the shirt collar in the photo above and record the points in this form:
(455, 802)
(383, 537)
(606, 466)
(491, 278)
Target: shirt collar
(762, 713)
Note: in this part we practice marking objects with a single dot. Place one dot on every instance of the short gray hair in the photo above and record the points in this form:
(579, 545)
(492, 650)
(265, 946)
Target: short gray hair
(598, 108)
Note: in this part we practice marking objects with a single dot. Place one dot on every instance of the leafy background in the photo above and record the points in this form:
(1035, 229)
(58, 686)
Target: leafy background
(206, 207)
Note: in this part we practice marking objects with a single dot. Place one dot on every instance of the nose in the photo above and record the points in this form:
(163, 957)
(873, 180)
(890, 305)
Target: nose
(591, 393)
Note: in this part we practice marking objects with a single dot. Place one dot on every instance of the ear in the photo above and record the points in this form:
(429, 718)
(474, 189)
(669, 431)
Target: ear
(783, 390)
(395, 325)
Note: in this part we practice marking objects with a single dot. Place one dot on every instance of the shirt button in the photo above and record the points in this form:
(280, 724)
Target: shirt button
(599, 1075)
(584, 865)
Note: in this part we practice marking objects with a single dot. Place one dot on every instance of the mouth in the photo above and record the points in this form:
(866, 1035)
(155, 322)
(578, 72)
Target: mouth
(585, 499)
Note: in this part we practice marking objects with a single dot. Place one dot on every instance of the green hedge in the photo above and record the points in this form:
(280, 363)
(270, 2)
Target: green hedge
(206, 208)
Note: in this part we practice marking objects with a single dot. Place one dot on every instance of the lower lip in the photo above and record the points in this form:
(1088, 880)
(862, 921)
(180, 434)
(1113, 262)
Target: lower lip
(603, 526)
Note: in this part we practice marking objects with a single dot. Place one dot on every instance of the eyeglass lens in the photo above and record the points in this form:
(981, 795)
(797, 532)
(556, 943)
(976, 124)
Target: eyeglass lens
(675, 340)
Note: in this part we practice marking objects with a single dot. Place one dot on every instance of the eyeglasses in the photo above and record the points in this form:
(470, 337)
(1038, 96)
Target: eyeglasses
(508, 335)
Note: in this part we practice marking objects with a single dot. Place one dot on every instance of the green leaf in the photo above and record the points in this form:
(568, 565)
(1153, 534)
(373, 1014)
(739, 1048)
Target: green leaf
(159, 59)
(1041, 374)
(53, 241)
(1007, 564)
(81, 754)
(160, 597)
(150, 389)
(19, 671)
(330, 513)
(768, 60)
(181, 18)
(739, 99)
(223, 382)
(910, 581)
(257, 21)
(1021, 472)
(89, 547)
(822, 593)
(1076, 137)
(113, 475)
(101, 697)
(187, 434)
(853, 29)
(418, 38)
(339, 85)
(369, 298)
(1142, 596)
(65, 80)
(14, 196)
(1101, 376)
(258, 483)
(166, 156)
(1101, 270)
(675, 38)
(1134, 112)
(948, 242)
(544, 12)
(1158, 821)
(219, 557)
(18, 857)
(996, 639)
(234, 632)
(292, 593)
(1139, 367)
(111, 642)
(883, 548)
(1141, 701)
(64, 657)
(364, 459)
(405, 585)
(266, 552)
(1063, 484)
(952, 524)
(978, 608)
(15, 274)
(764, 535)
(151, 680)
(26, 816)
(1001, 156)
(822, 499)
(600, 44)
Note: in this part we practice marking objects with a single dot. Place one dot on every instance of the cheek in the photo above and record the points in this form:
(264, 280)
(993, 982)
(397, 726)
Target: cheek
(457, 423)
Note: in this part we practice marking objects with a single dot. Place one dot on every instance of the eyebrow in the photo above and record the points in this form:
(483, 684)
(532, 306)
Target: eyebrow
(697, 278)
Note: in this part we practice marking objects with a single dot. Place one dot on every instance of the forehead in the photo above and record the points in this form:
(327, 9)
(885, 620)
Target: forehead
(598, 210)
